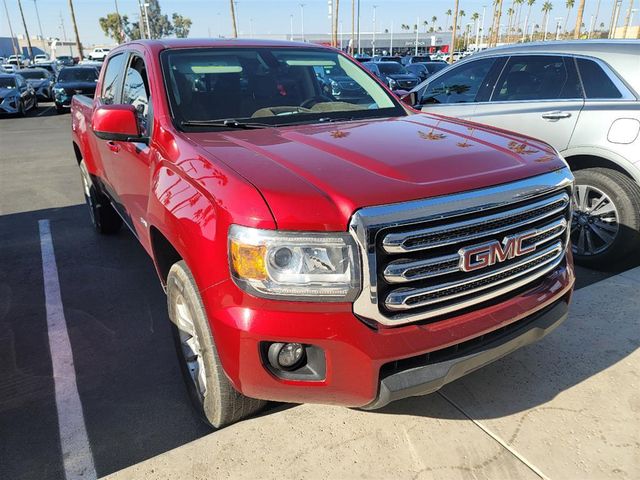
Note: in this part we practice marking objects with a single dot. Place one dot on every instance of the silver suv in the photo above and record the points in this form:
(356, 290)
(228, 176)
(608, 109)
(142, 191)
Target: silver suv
(580, 97)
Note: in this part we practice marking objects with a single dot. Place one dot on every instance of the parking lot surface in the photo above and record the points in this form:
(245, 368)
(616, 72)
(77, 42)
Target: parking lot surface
(567, 407)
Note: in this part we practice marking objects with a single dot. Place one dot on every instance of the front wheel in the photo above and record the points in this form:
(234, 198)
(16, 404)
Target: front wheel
(103, 216)
(605, 229)
(213, 395)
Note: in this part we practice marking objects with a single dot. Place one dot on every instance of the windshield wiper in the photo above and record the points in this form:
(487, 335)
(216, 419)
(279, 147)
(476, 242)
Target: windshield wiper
(230, 123)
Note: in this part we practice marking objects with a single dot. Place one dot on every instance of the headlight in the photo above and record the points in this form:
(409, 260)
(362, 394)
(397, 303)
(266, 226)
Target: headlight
(301, 266)
(392, 83)
(59, 91)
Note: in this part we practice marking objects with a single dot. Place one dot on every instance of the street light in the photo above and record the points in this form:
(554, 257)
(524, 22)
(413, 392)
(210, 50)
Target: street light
(373, 41)
(302, 20)
(146, 16)
(35, 3)
(558, 23)
(291, 25)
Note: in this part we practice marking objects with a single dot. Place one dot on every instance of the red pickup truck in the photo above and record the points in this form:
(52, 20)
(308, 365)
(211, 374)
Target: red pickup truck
(318, 240)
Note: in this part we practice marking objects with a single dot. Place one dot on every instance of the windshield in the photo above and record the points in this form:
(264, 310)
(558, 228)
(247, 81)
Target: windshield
(7, 83)
(78, 75)
(34, 74)
(272, 86)
(391, 68)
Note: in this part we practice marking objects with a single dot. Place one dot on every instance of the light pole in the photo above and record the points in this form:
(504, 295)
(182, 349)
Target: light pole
(302, 20)
(75, 30)
(558, 23)
(30, 50)
(146, 17)
(391, 42)
(373, 41)
(237, 16)
(13, 44)
(359, 45)
(291, 27)
(484, 11)
(417, 32)
(119, 22)
(44, 43)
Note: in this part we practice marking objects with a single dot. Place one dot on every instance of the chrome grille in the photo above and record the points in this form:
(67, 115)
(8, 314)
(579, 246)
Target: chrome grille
(413, 252)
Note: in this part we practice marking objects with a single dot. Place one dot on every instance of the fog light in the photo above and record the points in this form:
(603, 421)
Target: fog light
(286, 356)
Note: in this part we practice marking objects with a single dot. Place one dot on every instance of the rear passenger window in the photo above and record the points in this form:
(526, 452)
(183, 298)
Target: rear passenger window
(538, 78)
(595, 80)
(112, 79)
(460, 84)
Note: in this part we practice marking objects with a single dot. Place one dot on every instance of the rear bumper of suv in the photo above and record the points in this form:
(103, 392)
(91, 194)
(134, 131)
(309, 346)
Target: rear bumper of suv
(366, 366)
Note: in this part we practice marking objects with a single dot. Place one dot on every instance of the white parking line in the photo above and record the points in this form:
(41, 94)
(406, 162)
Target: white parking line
(76, 451)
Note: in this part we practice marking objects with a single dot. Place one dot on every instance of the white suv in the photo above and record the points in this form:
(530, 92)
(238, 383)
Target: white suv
(99, 54)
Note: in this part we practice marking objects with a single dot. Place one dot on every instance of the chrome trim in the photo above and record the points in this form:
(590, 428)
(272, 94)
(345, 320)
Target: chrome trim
(394, 242)
(396, 271)
(397, 299)
(366, 222)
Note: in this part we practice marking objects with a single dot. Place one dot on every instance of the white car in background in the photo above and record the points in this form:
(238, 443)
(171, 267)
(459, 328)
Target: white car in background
(41, 58)
(99, 54)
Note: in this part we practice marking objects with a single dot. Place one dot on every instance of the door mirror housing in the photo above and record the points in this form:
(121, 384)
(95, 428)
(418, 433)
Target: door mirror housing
(410, 98)
(117, 123)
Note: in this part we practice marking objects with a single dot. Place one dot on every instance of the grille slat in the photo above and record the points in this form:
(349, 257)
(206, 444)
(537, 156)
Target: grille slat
(495, 224)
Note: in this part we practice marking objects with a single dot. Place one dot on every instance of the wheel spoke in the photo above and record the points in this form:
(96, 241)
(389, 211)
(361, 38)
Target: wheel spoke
(581, 197)
(590, 246)
(606, 226)
(581, 242)
(604, 236)
(603, 209)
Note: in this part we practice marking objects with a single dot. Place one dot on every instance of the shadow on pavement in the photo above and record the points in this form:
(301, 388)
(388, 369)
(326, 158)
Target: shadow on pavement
(134, 400)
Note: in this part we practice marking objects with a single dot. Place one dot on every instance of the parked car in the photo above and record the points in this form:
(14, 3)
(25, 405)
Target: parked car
(91, 63)
(65, 60)
(425, 70)
(16, 95)
(394, 75)
(41, 58)
(40, 80)
(411, 59)
(74, 81)
(98, 54)
(386, 58)
(313, 249)
(51, 67)
(362, 58)
(338, 85)
(582, 98)
(18, 61)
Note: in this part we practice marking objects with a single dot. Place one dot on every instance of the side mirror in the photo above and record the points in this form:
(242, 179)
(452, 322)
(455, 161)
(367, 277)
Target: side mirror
(410, 98)
(117, 123)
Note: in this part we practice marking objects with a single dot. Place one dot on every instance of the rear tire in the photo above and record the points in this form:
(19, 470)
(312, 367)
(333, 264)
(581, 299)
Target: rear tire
(605, 230)
(214, 397)
(21, 110)
(103, 216)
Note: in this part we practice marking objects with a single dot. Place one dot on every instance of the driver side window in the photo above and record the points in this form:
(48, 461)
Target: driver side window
(136, 91)
(459, 85)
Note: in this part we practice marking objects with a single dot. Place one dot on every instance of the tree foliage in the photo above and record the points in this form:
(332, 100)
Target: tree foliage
(119, 28)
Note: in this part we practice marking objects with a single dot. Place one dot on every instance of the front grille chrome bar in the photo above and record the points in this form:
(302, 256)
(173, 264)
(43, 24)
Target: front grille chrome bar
(404, 299)
(401, 271)
(495, 224)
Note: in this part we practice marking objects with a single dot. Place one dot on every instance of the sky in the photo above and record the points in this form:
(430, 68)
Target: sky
(273, 16)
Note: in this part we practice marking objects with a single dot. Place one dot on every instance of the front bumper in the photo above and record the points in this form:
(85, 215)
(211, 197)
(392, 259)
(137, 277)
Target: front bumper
(427, 378)
(357, 355)
(8, 106)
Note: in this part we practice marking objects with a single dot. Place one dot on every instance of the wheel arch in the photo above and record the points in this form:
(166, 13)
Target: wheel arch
(582, 159)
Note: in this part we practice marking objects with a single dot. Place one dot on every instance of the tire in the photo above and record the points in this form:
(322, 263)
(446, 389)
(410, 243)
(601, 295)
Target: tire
(214, 397)
(21, 110)
(104, 218)
(610, 232)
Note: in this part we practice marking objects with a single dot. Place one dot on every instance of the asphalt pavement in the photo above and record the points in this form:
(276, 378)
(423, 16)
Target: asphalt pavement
(133, 399)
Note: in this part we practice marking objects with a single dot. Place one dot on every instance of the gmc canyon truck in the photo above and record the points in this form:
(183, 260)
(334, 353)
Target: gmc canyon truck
(315, 249)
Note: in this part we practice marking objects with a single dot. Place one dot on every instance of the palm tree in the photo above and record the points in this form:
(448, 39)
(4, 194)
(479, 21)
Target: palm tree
(405, 27)
(569, 4)
(452, 47)
(526, 20)
(576, 32)
(510, 12)
(434, 19)
(546, 8)
(475, 16)
(595, 19)
(518, 10)
(336, 9)
(233, 19)
(496, 22)
(26, 31)
(448, 14)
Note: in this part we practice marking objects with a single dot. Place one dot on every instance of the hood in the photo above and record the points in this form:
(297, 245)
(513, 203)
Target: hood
(38, 83)
(316, 176)
(7, 92)
(402, 76)
(77, 85)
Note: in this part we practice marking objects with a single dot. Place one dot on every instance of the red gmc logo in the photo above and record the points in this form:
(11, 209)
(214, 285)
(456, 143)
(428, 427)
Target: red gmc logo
(490, 253)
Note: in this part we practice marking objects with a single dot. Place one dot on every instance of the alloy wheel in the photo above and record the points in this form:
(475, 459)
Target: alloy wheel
(190, 346)
(594, 225)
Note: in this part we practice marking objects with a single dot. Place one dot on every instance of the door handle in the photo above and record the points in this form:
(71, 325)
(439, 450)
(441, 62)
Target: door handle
(113, 146)
(555, 115)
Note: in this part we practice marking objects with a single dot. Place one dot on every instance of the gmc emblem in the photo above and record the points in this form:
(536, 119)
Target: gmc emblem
(490, 253)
